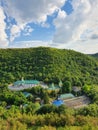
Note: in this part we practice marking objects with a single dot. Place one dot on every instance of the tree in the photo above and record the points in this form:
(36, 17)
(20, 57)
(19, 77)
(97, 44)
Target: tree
(86, 88)
(47, 109)
(61, 109)
(45, 97)
(66, 88)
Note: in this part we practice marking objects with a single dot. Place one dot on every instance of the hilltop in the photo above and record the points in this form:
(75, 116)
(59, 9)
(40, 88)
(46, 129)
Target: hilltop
(47, 64)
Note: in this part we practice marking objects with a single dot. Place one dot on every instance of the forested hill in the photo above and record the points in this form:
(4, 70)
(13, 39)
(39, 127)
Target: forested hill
(47, 64)
(95, 55)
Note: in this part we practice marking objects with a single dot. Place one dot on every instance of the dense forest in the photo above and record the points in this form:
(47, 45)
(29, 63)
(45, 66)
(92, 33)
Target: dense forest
(18, 112)
(48, 65)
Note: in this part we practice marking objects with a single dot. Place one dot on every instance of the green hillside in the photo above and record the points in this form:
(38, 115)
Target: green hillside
(47, 64)
(50, 65)
(95, 55)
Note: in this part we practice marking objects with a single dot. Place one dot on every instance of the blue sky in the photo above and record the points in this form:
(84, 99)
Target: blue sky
(69, 24)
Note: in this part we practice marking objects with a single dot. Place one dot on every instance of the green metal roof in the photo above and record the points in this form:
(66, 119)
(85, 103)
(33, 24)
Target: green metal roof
(66, 96)
(26, 94)
(26, 82)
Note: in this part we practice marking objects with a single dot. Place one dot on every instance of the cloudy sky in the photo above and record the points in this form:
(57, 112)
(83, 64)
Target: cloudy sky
(70, 24)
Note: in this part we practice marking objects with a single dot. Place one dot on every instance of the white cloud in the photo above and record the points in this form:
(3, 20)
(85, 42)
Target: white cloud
(60, 18)
(32, 10)
(46, 25)
(87, 47)
(27, 30)
(14, 32)
(29, 11)
(80, 25)
(27, 44)
(3, 35)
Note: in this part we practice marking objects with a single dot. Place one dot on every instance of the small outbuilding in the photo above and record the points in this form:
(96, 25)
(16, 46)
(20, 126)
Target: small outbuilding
(26, 94)
(77, 90)
(58, 102)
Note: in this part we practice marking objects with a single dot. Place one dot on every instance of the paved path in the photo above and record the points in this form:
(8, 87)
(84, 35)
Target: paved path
(77, 102)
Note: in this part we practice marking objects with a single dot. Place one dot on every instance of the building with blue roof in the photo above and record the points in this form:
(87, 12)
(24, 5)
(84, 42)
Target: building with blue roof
(58, 102)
